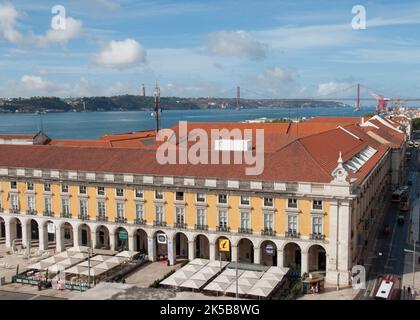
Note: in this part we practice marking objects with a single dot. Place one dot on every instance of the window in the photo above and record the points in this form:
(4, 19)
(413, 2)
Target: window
(317, 225)
(268, 202)
(31, 203)
(138, 193)
(47, 204)
(158, 195)
(101, 209)
(179, 215)
(82, 189)
(14, 200)
(268, 221)
(222, 198)
(65, 206)
(201, 217)
(120, 210)
(101, 191)
(159, 214)
(64, 188)
(292, 223)
(317, 204)
(245, 200)
(223, 219)
(179, 196)
(139, 211)
(47, 187)
(201, 197)
(120, 192)
(13, 185)
(83, 207)
(292, 203)
(30, 186)
(245, 220)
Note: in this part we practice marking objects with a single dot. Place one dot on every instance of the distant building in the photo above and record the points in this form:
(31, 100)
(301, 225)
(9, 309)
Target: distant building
(143, 91)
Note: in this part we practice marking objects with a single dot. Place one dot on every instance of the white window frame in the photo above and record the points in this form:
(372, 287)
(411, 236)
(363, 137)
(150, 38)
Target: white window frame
(297, 222)
(297, 203)
(197, 215)
(227, 198)
(245, 204)
(248, 213)
(272, 202)
(183, 196)
(204, 197)
(30, 183)
(63, 206)
(227, 218)
(118, 204)
(159, 191)
(97, 191)
(317, 209)
(14, 201)
(80, 188)
(49, 199)
(316, 216)
(162, 214)
(177, 214)
(13, 188)
(116, 192)
(45, 187)
(61, 188)
(99, 213)
(268, 213)
(138, 190)
(137, 205)
(33, 202)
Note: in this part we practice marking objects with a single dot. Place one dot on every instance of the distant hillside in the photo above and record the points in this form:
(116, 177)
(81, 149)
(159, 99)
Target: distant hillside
(132, 102)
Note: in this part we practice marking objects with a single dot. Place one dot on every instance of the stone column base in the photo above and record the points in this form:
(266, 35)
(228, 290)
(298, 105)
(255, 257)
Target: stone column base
(341, 277)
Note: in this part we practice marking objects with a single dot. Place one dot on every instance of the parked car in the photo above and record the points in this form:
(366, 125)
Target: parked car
(401, 219)
(387, 229)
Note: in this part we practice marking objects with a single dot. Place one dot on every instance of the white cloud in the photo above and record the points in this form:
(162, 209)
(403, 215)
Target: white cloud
(275, 82)
(33, 82)
(121, 54)
(338, 88)
(72, 30)
(8, 21)
(109, 4)
(236, 43)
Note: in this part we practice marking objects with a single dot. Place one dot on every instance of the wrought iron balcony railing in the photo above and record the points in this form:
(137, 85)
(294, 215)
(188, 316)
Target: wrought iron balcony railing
(222, 229)
(31, 212)
(292, 234)
(48, 213)
(140, 221)
(244, 230)
(201, 227)
(102, 218)
(83, 217)
(268, 232)
(65, 215)
(180, 225)
(120, 220)
(158, 223)
(317, 236)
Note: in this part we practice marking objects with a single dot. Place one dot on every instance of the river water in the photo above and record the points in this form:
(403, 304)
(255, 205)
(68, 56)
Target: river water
(91, 125)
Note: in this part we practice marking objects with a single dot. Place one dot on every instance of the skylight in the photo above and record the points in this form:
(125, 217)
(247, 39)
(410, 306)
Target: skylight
(355, 163)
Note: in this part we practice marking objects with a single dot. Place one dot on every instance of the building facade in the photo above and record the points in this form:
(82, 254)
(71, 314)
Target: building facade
(318, 218)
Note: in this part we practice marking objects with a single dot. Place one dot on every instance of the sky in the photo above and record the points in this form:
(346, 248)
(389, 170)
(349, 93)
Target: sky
(270, 48)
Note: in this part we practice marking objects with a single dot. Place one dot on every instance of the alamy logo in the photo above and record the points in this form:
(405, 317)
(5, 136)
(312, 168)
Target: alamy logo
(196, 147)
(58, 22)
(359, 20)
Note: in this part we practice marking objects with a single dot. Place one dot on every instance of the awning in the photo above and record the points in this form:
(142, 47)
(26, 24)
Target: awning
(216, 264)
(116, 260)
(217, 286)
(106, 265)
(201, 276)
(79, 255)
(92, 263)
(224, 279)
(192, 267)
(260, 292)
(100, 257)
(76, 270)
(262, 283)
(193, 284)
(127, 254)
(171, 281)
(246, 281)
(241, 289)
(200, 262)
(79, 249)
(93, 272)
(252, 274)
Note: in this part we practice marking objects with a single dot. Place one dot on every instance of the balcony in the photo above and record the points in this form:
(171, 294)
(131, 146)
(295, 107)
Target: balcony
(222, 229)
(14, 210)
(292, 234)
(159, 223)
(201, 227)
(83, 217)
(1, 210)
(31, 212)
(245, 230)
(140, 221)
(65, 215)
(268, 232)
(48, 214)
(102, 218)
(120, 220)
(180, 225)
(317, 236)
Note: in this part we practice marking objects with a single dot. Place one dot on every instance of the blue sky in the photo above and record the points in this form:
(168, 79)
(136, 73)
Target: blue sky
(271, 48)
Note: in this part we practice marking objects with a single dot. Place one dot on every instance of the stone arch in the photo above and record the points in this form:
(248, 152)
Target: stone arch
(67, 234)
(102, 235)
(180, 245)
(84, 234)
(15, 230)
(121, 238)
(160, 250)
(220, 254)
(245, 250)
(268, 252)
(317, 258)
(140, 240)
(201, 246)
(292, 253)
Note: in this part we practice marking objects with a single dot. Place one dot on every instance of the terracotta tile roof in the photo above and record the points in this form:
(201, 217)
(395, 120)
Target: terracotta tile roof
(16, 136)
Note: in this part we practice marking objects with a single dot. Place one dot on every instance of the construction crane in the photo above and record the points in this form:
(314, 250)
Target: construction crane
(382, 105)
